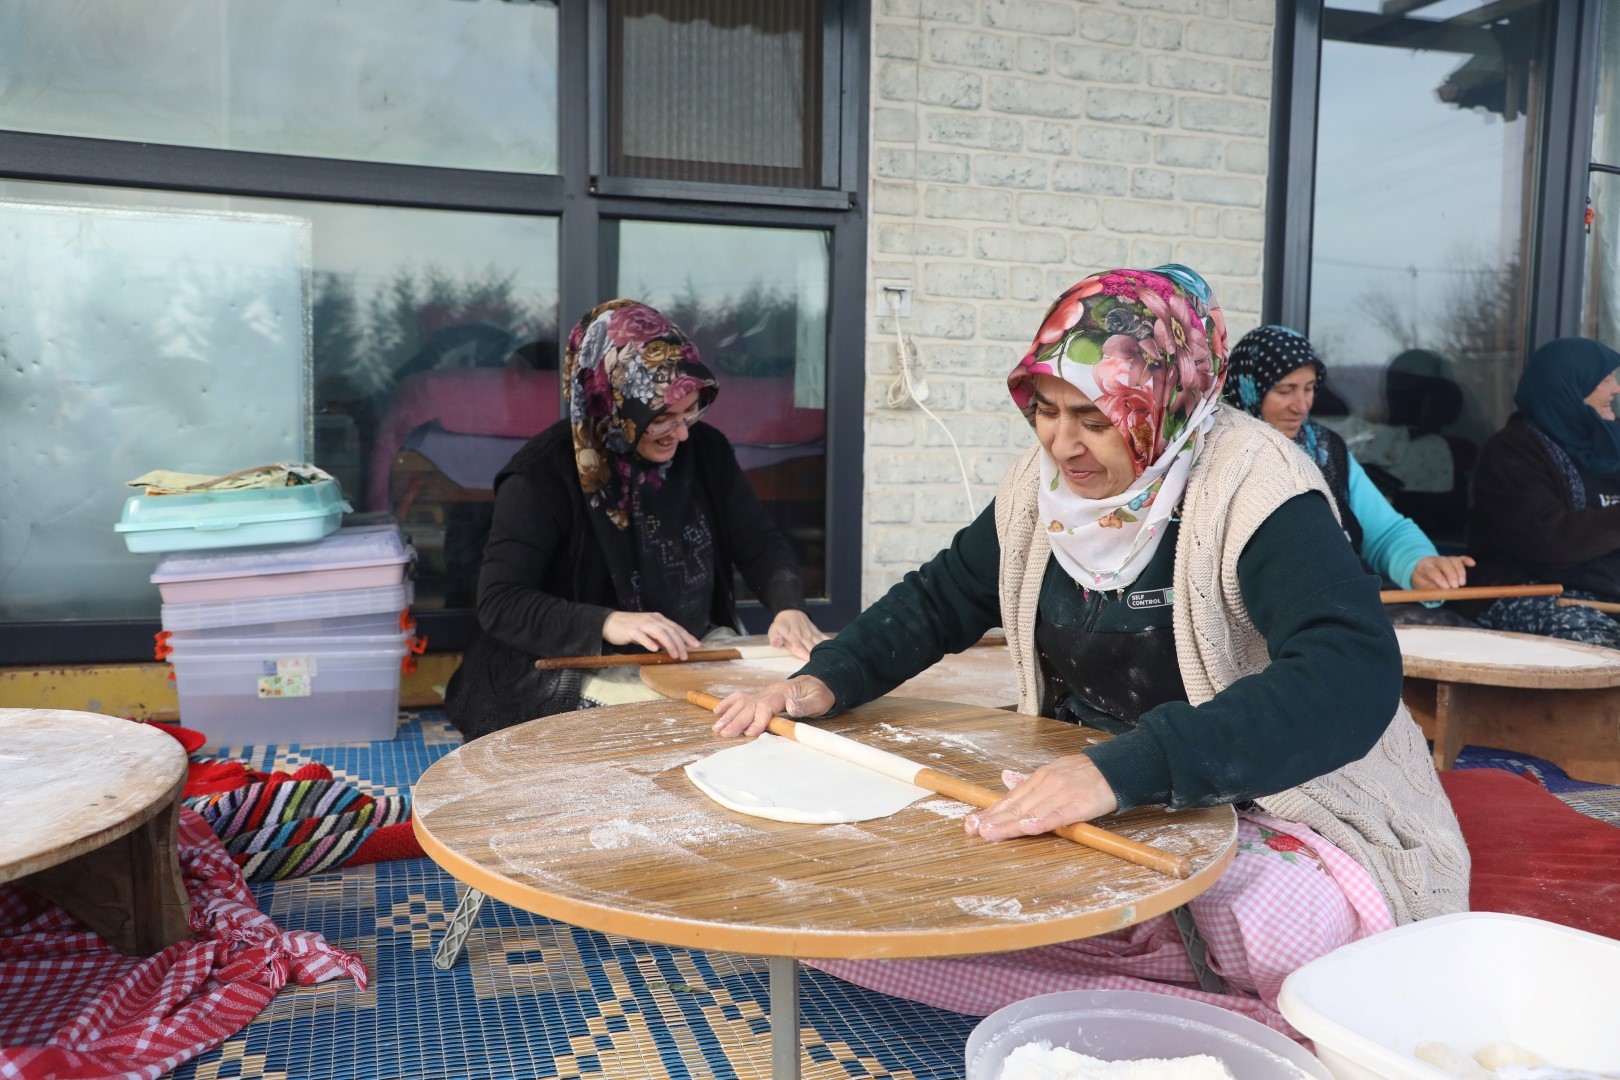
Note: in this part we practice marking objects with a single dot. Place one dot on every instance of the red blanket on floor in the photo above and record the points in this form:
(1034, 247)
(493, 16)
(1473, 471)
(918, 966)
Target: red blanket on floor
(1533, 855)
(72, 1007)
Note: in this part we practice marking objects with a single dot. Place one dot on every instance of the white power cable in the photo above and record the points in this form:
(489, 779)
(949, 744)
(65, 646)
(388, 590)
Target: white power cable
(904, 388)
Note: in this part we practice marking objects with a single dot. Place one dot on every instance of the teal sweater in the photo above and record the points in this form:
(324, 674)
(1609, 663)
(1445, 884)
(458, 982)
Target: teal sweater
(1391, 544)
(1333, 683)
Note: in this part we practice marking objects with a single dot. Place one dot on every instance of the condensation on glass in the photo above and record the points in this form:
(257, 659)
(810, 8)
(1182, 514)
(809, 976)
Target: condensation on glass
(1600, 315)
(420, 82)
(1428, 138)
(718, 91)
(754, 301)
(431, 356)
(133, 339)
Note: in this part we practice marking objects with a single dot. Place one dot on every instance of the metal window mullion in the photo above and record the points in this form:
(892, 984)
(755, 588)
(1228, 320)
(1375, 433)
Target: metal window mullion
(1291, 187)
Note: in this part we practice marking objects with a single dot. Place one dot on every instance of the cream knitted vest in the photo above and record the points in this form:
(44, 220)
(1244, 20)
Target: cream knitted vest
(1387, 810)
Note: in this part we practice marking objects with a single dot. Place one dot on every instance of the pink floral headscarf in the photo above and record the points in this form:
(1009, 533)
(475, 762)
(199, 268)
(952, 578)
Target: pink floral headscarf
(625, 365)
(1148, 347)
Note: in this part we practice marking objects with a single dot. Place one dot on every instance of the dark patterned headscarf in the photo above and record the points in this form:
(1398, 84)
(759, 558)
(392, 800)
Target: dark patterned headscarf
(625, 366)
(1261, 359)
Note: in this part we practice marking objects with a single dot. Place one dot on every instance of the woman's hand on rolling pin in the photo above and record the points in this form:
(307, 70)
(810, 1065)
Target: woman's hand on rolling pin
(1441, 572)
(792, 630)
(750, 714)
(1069, 790)
(649, 630)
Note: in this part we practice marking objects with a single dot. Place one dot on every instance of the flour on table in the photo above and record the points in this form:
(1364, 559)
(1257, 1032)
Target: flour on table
(1429, 643)
(1043, 1061)
(783, 780)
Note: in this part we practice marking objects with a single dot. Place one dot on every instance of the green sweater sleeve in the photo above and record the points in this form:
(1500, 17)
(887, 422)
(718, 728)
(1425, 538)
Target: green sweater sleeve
(943, 606)
(1327, 696)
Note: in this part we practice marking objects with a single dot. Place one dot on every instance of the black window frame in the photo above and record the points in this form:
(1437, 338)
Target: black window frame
(580, 198)
(1555, 274)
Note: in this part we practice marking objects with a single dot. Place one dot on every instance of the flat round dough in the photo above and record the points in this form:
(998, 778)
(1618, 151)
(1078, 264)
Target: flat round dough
(777, 778)
(1428, 643)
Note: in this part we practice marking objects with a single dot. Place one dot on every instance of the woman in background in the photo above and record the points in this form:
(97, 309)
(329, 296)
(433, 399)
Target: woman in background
(1274, 375)
(618, 527)
(1546, 502)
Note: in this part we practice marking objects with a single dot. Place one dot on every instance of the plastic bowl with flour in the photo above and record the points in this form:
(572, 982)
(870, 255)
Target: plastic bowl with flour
(1121, 1025)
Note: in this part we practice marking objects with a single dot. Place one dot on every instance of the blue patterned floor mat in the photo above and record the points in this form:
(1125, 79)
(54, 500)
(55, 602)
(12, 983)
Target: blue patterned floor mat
(535, 999)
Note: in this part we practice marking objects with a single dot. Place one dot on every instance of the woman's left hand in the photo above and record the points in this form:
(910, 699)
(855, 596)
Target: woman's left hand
(792, 630)
(1068, 790)
(1441, 572)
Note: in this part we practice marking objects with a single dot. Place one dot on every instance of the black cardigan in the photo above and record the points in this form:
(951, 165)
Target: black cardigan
(1523, 524)
(545, 589)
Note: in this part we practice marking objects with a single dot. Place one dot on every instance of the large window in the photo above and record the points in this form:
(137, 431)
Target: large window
(1420, 231)
(1600, 316)
(358, 231)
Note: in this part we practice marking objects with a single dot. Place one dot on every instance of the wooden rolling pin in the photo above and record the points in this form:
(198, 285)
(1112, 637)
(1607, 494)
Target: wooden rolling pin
(881, 761)
(1599, 605)
(694, 656)
(1467, 592)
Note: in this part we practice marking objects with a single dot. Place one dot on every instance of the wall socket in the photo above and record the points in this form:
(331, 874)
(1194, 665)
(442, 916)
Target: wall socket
(894, 297)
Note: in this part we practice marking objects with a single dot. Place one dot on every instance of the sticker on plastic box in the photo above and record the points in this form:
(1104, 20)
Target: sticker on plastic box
(283, 686)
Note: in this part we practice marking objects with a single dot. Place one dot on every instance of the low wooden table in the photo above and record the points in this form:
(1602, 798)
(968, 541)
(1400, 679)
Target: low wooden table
(1558, 700)
(91, 806)
(982, 675)
(597, 825)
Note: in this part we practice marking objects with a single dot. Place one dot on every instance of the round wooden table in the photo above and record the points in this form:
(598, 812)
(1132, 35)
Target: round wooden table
(592, 821)
(1555, 699)
(91, 809)
(982, 675)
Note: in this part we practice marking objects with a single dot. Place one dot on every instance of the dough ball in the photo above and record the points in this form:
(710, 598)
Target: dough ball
(1498, 1054)
(1450, 1060)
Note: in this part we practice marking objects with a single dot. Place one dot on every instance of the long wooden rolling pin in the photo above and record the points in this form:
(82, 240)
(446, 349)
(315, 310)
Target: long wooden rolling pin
(1467, 592)
(881, 761)
(693, 656)
(1599, 605)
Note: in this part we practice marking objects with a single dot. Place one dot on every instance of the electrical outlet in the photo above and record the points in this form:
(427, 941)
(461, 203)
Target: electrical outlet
(894, 297)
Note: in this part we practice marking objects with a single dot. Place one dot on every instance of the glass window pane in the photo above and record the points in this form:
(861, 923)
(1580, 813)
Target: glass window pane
(422, 82)
(724, 91)
(432, 339)
(754, 301)
(1428, 137)
(1600, 317)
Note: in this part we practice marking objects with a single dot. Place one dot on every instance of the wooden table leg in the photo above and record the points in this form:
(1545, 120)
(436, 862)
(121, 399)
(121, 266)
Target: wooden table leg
(784, 1018)
(129, 890)
(1450, 723)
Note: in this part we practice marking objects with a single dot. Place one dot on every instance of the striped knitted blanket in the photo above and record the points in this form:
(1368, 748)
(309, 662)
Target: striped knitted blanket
(277, 829)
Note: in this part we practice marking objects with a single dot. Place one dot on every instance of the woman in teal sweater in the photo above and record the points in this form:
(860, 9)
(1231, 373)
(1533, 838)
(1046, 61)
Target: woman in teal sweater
(1274, 374)
(1169, 571)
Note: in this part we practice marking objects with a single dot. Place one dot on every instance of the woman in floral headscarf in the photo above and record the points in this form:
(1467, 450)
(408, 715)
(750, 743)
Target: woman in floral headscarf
(611, 533)
(1168, 571)
(1274, 374)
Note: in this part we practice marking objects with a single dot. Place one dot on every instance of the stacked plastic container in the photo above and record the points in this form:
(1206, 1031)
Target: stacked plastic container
(292, 643)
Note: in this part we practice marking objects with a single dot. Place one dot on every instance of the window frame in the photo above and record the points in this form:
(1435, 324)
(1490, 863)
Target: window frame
(1555, 274)
(579, 199)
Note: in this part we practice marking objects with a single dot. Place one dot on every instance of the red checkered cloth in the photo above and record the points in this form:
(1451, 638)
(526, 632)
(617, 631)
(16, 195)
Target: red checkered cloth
(73, 1008)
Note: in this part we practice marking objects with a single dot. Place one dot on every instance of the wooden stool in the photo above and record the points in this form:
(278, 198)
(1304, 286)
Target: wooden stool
(91, 806)
(1554, 699)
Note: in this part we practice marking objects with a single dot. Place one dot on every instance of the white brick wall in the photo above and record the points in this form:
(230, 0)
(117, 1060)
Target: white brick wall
(1018, 145)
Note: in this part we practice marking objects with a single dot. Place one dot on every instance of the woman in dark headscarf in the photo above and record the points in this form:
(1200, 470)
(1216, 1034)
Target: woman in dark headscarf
(611, 532)
(1547, 495)
(1274, 375)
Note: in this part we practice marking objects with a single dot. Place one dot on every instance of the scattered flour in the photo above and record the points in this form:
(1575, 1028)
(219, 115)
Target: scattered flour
(1043, 1061)
(896, 734)
(991, 906)
(948, 808)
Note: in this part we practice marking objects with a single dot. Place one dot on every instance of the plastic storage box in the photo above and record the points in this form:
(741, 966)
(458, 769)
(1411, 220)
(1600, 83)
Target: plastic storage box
(359, 557)
(1120, 1025)
(320, 691)
(1466, 980)
(222, 519)
(299, 609)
